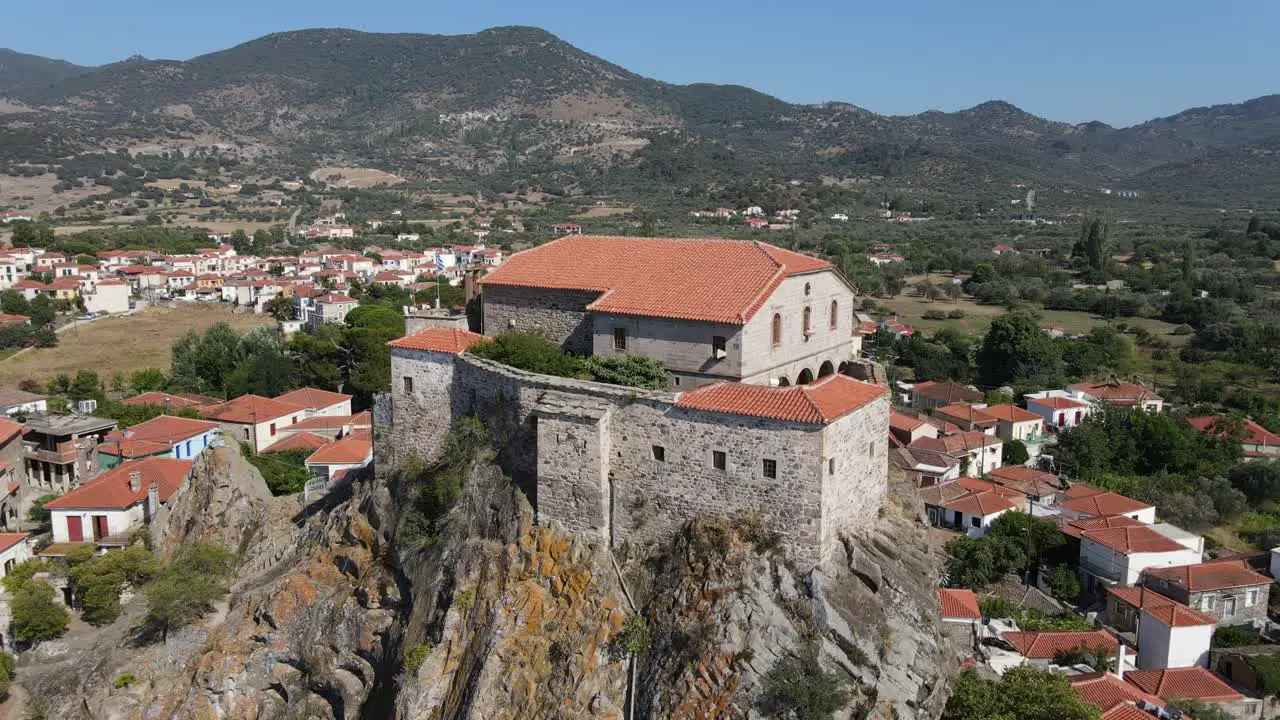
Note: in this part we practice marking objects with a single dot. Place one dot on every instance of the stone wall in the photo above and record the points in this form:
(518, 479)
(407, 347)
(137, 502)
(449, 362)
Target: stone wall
(560, 314)
(762, 360)
(684, 346)
(625, 465)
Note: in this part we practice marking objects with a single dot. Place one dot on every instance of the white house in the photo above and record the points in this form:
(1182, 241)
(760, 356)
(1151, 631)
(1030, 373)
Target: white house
(959, 606)
(105, 510)
(254, 420)
(1058, 411)
(1172, 635)
(319, 402)
(109, 296)
(1118, 551)
(1014, 423)
(1083, 500)
(351, 452)
(977, 452)
(969, 505)
(1116, 392)
(15, 549)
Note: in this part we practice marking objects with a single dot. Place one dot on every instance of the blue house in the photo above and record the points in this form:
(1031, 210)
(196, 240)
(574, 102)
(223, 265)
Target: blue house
(164, 436)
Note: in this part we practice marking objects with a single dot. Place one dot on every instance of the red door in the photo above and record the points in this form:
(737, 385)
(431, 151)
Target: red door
(99, 527)
(75, 533)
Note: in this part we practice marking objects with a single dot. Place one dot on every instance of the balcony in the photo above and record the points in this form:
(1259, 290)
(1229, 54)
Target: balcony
(66, 453)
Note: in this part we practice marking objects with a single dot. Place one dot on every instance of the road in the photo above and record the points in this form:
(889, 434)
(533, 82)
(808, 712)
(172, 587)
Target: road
(293, 219)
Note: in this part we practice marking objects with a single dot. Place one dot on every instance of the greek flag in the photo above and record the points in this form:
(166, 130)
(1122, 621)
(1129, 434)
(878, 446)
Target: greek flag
(439, 263)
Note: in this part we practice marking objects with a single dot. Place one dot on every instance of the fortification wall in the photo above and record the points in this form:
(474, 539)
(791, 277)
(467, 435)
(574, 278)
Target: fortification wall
(560, 314)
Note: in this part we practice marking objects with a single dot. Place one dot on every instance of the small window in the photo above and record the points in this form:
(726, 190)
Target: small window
(619, 338)
(1251, 598)
(408, 385)
(719, 347)
(676, 380)
(659, 453)
(976, 522)
(835, 314)
(831, 466)
(719, 460)
(770, 468)
(807, 315)
(807, 289)
(273, 429)
(777, 330)
(871, 449)
(1208, 602)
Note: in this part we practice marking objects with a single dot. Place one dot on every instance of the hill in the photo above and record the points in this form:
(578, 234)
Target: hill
(21, 70)
(518, 104)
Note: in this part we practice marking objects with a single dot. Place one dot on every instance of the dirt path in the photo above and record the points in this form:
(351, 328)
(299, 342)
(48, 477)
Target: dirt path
(12, 708)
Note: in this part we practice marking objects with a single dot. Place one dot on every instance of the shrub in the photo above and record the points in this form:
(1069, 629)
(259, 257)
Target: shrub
(36, 615)
(529, 351)
(100, 579)
(635, 638)
(1235, 636)
(1267, 670)
(797, 687)
(416, 656)
(1063, 584)
(37, 514)
(124, 680)
(436, 490)
(186, 588)
(630, 370)
(1014, 453)
(934, 315)
(465, 599)
(285, 472)
(956, 315)
(21, 574)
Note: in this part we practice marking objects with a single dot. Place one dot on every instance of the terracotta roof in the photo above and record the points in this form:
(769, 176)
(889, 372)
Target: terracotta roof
(1135, 539)
(1010, 413)
(7, 318)
(1079, 490)
(961, 442)
(1210, 576)
(1105, 691)
(312, 398)
(965, 413)
(903, 421)
(947, 392)
(959, 604)
(1076, 528)
(8, 430)
(335, 298)
(110, 491)
(823, 401)
(1057, 403)
(165, 429)
(1192, 683)
(975, 485)
(1126, 711)
(1116, 391)
(178, 400)
(8, 540)
(1103, 503)
(981, 504)
(1167, 610)
(250, 409)
(445, 340)
(1047, 645)
(299, 441)
(332, 422)
(350, 450)
(1025, 480)
(1253, 433)
(712, 279)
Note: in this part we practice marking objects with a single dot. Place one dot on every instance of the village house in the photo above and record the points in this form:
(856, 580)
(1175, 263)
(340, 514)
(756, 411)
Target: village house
(1255, 440)
(15, 549)
(1118, 552)
(1083, 500)
(1037, 485)
(969, 505)
(170, 401)
(1115, 698)
(1044, 648)
(1058, 411)
(907, 429)
(1226, 589)
(959, 606)
(254, 420)
(1116, 392)
(1195, 683)
(1014, 423)
(106, 510)
(928, 396)
(15, 402)
(977, 452)
(13, 475)
(1169, 633)
(924, 467)
(163, 436)
(319, 402)
(332, 460)
(771, 317)
(967, 417)
(331, 308)
(61, 450)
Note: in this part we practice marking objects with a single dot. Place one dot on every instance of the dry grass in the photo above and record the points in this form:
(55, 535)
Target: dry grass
(597, 212)
(121, 344)
(36, 193)
(355, 177)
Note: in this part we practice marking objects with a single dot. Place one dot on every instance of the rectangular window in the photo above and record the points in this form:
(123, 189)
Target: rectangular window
(976, 522)
(770, 468)
(659, 453)
(273, 429)
(719, 347)
(871, 449)
(619, 338)
(831, 466)
(1251, 598)
(719, 460)
(1207, 603)
(408, 385)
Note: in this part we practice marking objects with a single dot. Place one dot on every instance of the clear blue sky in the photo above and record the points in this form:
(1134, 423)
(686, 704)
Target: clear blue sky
(1119, 61)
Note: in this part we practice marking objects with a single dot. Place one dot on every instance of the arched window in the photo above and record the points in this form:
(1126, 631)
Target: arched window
(807, 289)
(777, 330)
(807, 314)
(835, 314)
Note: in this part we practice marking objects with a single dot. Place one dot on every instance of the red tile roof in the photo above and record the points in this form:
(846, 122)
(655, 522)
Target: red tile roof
(8, 430)
(299, 441)
(965, 413)
(350, 450)
(902, 421)
(165, 429)
(1192, 683)
(444, 340)
(1025, 480)
(313, 399)
(711, 280)
(1057, 403)
(1076, 528)
(333, 422)
(335, 298)
(1103, 503)
(1126, 712)
(110, 491)
(1210, 576)
(178, 400)
(961, 442)
(1167, 610)
(1116, 391)
(823, 401)
(982, 504)
(1135, 539)
(8, 540)
(1048, 645)
(1010, 413)
(1252, 432)
(947, 392)
(248, 409)
(959, 604)
(1106, 691)
(7, 318)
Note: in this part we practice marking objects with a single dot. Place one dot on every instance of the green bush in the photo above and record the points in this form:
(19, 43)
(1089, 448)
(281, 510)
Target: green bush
(36, 615)
(934, 315)
(416, 656)
(465, 599)
(99, 580)
(7, 664)
(21, 574)
(37, 514)
(1267, 670)
(285, 472)
(1063, 584)
(635, 637)
(630, 370)
(529, 351)
(797, 687)
(1236, 636)
(436, 490)
(186, 588)
(124, 680)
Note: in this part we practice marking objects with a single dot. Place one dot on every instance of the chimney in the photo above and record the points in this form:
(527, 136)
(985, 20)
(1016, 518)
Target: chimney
(135, 481)
(153, 501)
(1120, 661)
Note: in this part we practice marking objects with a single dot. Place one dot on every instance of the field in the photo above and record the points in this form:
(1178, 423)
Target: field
(36, 193)
(355, 177)
(121, 344)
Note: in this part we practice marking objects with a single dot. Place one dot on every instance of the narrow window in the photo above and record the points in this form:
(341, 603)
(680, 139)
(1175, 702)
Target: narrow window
(835, 314)
(408, 385)
(831, 466)
(619, 338)
(807, 314)
(871, 449)
(676, 380)
(770, 468)
(777, 330)
(807, 289)
(659, 453)
(719, 460)
(273, 429)
(719, 347)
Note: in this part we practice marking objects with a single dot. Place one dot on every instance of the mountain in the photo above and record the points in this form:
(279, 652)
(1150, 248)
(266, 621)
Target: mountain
(22, 70)
(515, 103)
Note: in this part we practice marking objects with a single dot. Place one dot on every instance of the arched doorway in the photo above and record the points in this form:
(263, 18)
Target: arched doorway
(805, 377)
(826, 369)
(784, 382)
(844, 368)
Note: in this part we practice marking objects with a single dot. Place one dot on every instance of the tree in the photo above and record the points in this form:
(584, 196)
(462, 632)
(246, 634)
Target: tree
(186, 588)
(1016, 351)
(280, 308)
(1015, 453)
(1094, 244)
(86, 386)
(147, 380)
(1254, 226)
(99, 580)
(953, 291)
(970, 563)
(1023, 693)
(14, 303)
(1063, 584)
(37, 514)
(42, 311)
(1259, 481)
(36, 616)
(798, 687)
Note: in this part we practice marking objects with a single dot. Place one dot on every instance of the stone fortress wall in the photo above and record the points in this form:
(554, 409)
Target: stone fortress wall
(622, 465)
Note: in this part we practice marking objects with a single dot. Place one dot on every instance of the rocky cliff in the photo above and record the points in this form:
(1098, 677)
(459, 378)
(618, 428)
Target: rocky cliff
(335, 616)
